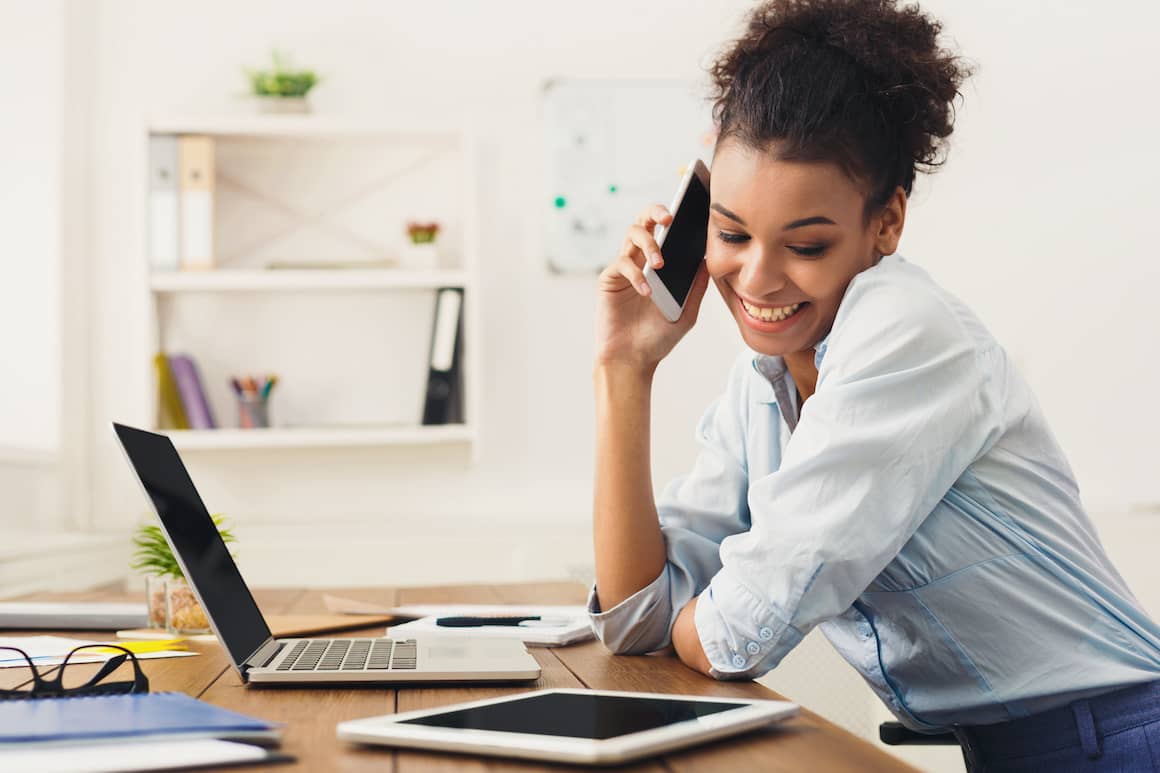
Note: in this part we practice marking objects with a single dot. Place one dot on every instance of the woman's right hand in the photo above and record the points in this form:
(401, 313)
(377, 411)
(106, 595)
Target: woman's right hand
(630, 329)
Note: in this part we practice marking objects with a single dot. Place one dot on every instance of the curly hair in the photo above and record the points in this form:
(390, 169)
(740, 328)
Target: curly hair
(860, 83)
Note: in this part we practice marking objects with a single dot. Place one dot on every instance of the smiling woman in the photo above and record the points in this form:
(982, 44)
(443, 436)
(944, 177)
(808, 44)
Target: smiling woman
(876, 466)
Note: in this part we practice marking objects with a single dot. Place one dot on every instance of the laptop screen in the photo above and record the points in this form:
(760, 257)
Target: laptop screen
(200, 550)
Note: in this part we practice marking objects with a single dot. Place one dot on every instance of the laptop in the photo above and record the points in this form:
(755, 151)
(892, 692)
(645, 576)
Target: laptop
(257, 656)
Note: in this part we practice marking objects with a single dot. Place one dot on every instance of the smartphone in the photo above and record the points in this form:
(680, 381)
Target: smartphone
(682, 243)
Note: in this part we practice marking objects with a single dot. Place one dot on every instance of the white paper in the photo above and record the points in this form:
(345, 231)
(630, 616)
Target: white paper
(50, 651)
(120, 756)
(341, 606)
(573, 623)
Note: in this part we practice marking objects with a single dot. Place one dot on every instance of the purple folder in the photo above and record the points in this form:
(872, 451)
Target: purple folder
(192, 395)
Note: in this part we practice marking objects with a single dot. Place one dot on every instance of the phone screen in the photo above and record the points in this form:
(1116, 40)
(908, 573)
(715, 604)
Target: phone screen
(685, 239)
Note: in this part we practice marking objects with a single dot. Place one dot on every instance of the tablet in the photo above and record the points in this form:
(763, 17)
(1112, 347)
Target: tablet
(592, 727)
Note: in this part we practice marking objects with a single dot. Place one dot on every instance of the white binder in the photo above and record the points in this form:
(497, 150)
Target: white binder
(163, 208)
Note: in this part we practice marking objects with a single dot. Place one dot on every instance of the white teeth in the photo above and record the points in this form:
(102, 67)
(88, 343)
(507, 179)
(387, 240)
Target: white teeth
(770, 313)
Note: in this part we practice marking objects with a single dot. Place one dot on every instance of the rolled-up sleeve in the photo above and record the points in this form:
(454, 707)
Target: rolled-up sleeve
(903, 405)
(696, 513)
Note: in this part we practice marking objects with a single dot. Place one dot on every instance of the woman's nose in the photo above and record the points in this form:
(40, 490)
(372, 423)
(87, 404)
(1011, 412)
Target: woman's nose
(761, 274)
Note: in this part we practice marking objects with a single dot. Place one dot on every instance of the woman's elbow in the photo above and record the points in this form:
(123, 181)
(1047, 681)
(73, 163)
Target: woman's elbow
(627, 643)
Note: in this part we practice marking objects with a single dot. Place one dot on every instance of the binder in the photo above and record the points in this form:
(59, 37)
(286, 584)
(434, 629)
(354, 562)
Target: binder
(163, 209)
(122, 717)
(170, 411)
(196, 161)
(189, 387)
(444, 398)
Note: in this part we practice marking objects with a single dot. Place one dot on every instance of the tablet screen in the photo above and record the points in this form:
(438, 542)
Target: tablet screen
(575, 715)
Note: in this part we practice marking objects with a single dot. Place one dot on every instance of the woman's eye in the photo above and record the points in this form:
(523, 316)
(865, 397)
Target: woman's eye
(731, 238)
(809, 252)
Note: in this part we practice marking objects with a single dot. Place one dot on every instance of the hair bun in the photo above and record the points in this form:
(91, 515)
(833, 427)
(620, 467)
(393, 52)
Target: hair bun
(819, 68)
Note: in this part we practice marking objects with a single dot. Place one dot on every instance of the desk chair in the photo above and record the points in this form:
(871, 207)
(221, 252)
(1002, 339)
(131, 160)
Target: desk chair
(895, 734)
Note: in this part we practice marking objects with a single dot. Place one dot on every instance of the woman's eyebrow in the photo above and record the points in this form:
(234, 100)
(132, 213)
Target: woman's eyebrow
(813, 220)
(726, 213)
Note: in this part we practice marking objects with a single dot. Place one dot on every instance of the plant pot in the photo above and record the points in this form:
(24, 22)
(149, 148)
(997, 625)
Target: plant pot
(173, 606)
(421, 256)
(282, 105)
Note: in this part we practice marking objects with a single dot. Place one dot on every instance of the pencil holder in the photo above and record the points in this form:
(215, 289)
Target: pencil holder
(253, 411)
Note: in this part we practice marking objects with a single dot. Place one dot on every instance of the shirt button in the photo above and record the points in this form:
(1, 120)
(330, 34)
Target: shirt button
(752, 648)
(739, 661)
(765, 634)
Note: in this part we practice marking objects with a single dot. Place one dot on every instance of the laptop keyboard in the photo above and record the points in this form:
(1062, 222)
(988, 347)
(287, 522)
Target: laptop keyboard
(351, 655)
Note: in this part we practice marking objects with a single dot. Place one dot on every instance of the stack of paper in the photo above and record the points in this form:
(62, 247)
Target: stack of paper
(561, 625)
(51, 650)
(135, 756)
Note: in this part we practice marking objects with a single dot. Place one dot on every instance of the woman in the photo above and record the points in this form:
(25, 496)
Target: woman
(876, 466)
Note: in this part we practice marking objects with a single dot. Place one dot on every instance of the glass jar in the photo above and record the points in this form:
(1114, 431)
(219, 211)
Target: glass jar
(174, 607)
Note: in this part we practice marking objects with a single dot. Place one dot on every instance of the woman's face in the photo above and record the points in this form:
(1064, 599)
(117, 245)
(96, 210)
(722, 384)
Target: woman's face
(785, 239)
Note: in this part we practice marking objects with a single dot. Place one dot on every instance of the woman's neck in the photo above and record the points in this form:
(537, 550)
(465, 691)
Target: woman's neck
(804, 372)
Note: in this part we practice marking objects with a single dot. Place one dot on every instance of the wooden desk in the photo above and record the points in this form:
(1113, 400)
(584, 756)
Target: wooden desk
(805, 743)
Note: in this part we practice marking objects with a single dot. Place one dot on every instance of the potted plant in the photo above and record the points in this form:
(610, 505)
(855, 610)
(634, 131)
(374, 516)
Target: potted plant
(171, 602)
(282, 89)
(420, 251)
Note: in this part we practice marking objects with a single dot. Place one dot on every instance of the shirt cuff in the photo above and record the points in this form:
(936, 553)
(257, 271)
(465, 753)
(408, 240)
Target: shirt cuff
(742, 636)
(641, 623)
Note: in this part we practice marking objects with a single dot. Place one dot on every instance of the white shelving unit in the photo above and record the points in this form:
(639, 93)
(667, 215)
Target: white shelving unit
(349, 344)
(317, 437)
(304, 280)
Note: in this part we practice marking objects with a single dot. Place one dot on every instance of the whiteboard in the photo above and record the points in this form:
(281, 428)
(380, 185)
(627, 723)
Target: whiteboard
(613, 148)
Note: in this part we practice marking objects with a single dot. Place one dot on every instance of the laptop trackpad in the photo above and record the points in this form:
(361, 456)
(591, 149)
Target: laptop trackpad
(450, 652)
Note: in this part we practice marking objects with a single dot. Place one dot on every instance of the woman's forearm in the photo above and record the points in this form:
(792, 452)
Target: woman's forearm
(630, 549)
(686, 641)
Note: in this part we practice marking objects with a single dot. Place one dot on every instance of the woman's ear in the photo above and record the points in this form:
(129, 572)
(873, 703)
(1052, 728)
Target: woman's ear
(890, 222)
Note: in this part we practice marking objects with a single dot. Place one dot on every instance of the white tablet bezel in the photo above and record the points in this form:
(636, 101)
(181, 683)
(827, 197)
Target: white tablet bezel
(670, 309)
(388, 730)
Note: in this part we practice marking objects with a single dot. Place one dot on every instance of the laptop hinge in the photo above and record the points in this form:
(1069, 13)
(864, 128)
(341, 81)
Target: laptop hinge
(262, 656)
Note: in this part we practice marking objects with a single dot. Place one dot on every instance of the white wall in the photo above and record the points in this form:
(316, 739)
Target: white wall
(31, 209)
(31, 80)
(1043, 220)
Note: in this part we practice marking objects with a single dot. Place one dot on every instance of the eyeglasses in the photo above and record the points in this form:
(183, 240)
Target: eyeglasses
(76, 681)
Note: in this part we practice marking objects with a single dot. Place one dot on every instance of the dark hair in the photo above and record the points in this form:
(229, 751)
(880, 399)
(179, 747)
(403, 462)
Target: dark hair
(860, 83)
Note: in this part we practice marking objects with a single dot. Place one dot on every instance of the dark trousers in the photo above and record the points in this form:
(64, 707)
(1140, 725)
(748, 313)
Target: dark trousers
(1117, 731)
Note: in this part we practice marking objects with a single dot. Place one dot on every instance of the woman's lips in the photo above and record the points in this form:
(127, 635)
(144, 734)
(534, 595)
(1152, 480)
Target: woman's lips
(771, 319)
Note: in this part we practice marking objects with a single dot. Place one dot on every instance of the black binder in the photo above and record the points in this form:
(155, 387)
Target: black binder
(444, 400)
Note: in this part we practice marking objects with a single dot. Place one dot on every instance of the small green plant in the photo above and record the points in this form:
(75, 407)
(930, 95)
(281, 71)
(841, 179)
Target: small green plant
(422, 233)
(152, 555)
(282, 81)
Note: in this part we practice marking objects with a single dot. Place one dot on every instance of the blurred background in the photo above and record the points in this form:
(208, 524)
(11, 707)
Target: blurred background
(524, 130)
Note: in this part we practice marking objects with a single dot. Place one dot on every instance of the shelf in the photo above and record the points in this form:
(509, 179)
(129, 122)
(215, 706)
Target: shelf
(300, 126)
(317, 437)
(303, 279)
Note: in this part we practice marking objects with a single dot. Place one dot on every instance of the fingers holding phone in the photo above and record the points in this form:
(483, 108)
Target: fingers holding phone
(664, 271)
(681, 244)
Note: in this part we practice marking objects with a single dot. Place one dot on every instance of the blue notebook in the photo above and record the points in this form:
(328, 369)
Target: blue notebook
(118, 717)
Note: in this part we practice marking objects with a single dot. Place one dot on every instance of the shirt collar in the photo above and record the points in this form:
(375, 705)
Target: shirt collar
(820, 351)
(773, 368)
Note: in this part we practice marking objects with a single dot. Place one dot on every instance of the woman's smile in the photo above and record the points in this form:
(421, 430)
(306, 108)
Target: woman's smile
(765, 318)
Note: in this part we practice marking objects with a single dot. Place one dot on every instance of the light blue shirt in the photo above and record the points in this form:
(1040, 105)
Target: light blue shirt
(919, 511)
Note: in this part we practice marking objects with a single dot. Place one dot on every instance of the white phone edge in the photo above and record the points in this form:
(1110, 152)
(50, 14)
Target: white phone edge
(664, 300)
